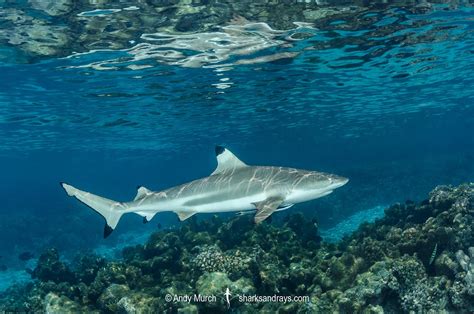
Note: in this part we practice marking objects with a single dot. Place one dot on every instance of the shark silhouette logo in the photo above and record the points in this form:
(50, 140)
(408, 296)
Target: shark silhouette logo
(227, 297)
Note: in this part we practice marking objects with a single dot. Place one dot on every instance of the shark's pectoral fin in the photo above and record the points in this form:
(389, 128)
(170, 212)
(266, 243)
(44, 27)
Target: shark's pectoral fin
(267, 207)
(142, 192)
(184, 215)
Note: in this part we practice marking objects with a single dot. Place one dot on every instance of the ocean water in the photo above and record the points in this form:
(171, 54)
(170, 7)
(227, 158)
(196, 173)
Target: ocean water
(110, 96)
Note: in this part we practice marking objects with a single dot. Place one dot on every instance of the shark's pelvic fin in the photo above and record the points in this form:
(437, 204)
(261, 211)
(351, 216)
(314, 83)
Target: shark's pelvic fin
(184, 215)
(147, 216)
(267, 207)
(142, 192)
(226, 161)
(283, 206)
(110, 210)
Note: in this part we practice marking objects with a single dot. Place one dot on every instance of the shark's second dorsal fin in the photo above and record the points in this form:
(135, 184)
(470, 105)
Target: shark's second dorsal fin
(141, 192)
(226, 161)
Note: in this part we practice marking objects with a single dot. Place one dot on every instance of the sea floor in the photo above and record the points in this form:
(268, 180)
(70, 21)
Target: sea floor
(12, 277)
(352, 223)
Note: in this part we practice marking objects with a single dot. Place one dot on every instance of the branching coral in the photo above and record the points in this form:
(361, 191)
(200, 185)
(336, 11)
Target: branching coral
(212, 259)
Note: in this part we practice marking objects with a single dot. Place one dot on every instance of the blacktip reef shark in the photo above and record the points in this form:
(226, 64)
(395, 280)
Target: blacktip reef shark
(233, 186)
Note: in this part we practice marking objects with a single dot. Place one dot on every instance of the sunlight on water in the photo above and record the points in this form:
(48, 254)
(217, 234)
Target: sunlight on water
(340, 77)
(205, 49)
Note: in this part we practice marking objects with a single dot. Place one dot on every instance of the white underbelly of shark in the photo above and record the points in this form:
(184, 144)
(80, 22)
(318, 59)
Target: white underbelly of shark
(231, 205)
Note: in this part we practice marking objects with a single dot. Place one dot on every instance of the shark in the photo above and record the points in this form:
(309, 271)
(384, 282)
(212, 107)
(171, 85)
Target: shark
(233, 186)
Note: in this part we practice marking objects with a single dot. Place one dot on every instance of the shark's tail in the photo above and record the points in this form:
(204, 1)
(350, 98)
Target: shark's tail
(110, 210)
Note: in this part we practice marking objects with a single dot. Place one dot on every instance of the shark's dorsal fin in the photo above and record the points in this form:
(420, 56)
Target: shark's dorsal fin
(226, 161)
(141, 192)
(266, 207)
(184, 215)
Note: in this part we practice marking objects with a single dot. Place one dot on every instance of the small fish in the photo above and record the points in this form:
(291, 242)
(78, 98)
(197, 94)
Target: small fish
(159, 226)
(25, 256)
(433, 254)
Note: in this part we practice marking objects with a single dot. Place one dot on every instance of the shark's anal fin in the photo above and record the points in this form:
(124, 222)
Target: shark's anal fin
(266, 207)
(226, 161)
(184, 215)
(142, 192)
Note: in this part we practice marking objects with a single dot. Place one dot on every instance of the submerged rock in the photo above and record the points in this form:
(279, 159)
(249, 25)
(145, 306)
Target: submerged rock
(137, 303)
(111, 296)
(462, 292)
(54, 304)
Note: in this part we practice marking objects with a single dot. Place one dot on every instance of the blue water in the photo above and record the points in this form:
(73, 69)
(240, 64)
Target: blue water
(389, 106)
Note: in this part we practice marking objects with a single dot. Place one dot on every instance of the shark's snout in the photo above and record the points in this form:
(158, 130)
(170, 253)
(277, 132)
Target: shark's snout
(337, 181)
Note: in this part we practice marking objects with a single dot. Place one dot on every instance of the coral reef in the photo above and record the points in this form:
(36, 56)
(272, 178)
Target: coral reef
(418, 258)
(462, 293)
(51, 268)
(467, 264)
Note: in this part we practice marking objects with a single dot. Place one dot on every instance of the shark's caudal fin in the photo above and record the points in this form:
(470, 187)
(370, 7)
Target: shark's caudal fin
(110, 210)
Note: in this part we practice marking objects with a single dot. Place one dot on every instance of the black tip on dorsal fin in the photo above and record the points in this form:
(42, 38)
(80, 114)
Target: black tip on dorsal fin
(107, 230)
(219, 150)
